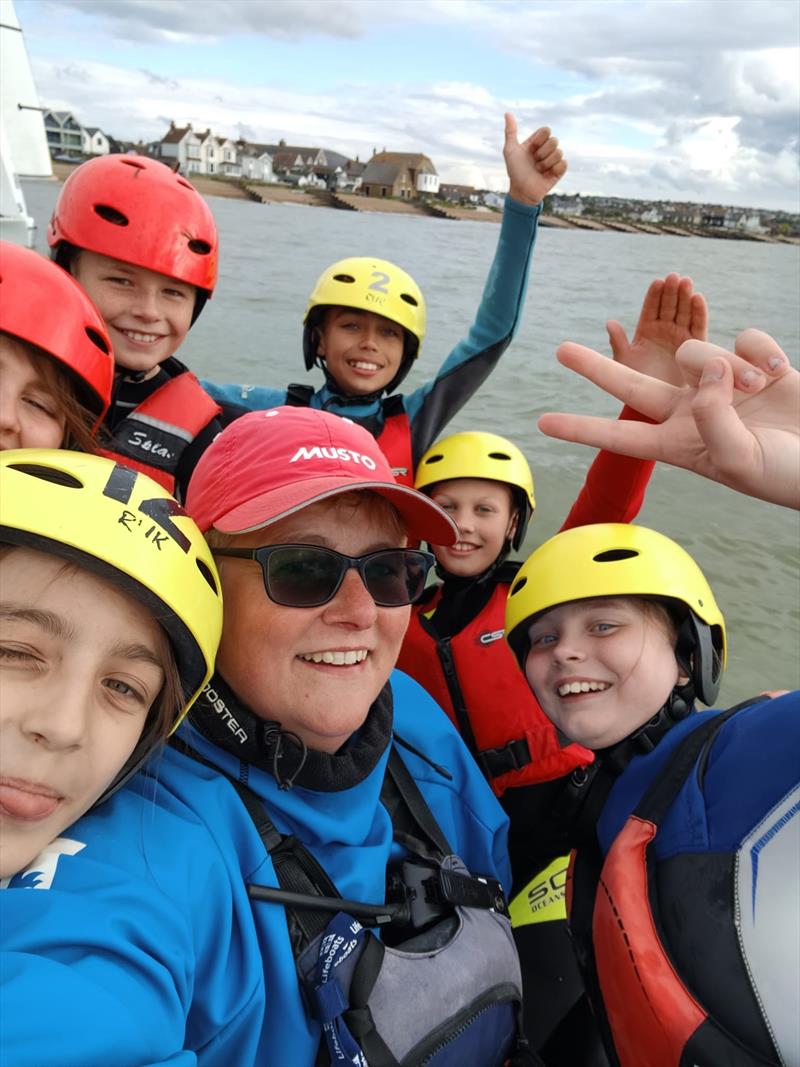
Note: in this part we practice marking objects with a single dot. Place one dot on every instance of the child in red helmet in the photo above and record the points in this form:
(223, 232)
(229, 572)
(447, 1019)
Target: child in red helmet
(143, 244)
(56, 364)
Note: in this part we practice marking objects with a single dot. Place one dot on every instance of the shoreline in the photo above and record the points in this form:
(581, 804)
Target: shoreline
(270, 193)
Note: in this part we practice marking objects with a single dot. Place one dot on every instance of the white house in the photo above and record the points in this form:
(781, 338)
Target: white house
(566, 205)
(496, 200)
(182, 145)
(94, 142)
(256, 166)
(64, 133)
(229, 161)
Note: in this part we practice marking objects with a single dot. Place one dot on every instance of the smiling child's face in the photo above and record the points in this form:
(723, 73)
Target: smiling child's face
(601, 668)
(362, 351)
(486, 520)
(147, 314)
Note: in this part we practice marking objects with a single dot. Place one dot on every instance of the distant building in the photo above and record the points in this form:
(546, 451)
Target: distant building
(183, 146)
(713, 219)
(492, 199)
(405, 175)
(744, 219)
(64, 133)
(255, 161)
(458, 194)
(94, 142)
(566, 205)
(288, 159)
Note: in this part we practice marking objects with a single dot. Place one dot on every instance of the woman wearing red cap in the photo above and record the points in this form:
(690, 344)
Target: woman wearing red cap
(302, 763)
(56, 365)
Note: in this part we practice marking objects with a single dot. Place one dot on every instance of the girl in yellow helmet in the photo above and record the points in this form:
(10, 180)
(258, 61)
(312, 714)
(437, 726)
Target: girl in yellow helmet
(365, 323)
(684, 891)
(110, 616)
(454, 648)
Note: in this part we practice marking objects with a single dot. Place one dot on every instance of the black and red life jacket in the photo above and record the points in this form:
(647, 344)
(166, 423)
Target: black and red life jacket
(154, 436)
(475, 678)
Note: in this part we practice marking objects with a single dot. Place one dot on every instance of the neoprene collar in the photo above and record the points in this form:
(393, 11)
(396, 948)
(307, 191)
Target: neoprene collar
(223, 719)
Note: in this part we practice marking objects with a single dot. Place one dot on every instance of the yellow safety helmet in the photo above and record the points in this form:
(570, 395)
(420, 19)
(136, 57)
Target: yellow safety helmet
(615, 560)
(475, 454)
(368, 285)
(124, 527)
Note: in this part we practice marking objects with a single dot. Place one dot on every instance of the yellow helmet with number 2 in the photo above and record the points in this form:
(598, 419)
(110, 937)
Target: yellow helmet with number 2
(368, 284)
(124, 527)
(620, 560)
(475, 454)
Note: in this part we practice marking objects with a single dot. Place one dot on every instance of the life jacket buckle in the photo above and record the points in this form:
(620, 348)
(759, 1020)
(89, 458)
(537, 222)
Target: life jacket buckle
(427, 892)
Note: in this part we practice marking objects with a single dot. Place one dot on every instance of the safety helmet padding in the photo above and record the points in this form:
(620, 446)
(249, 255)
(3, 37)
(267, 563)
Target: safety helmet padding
(41, 305)
(124, 527)
(620, 560)
(368, 284)
(475, 454)
(139, 211)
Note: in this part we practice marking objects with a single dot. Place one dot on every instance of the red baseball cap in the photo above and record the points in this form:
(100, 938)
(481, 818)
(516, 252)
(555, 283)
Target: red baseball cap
(270, 464)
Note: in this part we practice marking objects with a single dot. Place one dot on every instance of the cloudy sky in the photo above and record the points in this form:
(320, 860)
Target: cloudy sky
(678, 99)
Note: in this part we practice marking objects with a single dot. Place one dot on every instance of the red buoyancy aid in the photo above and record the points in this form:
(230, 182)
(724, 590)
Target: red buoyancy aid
(475, 678)
(650, 1016)
(154, 436)
(395, 440)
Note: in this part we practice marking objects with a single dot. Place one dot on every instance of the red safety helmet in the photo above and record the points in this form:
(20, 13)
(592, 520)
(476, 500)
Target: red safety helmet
(41, 305)
(139, 211)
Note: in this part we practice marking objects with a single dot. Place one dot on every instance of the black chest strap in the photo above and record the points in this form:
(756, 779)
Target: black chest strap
(299, 395)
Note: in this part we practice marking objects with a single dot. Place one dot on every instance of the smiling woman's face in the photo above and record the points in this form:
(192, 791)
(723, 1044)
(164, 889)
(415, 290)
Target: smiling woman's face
(81, 663)
(601, 668)
(268, 651)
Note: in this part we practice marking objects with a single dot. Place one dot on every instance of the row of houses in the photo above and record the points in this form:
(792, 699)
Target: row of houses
(405, 175)
(679, 214)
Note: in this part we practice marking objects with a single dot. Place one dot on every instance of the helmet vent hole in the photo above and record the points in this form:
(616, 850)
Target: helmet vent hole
(48, 474)
(97, 340)
(110, 214)
(344, 278)
(201, 248)
(409, 299)
(434, 459)
(614, 554)
(515, 588)
(205, 570)
(133, 163)
(499, 455)
(185, 184)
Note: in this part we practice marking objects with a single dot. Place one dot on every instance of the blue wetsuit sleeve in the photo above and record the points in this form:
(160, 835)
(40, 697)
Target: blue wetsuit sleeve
(433, 405)
(125, 957)
(246, 397)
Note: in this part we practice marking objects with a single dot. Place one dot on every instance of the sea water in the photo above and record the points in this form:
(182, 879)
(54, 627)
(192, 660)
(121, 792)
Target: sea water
(251, 332)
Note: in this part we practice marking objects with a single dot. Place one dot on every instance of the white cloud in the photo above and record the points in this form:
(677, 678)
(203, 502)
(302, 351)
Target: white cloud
(663, 99)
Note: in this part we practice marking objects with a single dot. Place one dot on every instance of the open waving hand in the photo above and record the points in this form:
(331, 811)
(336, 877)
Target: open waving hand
(671, 314)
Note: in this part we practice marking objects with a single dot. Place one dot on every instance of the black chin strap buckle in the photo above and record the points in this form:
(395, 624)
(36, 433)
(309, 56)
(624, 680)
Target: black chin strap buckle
(273, 741)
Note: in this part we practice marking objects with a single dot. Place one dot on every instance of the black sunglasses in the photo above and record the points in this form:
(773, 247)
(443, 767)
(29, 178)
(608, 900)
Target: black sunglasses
(307, 576)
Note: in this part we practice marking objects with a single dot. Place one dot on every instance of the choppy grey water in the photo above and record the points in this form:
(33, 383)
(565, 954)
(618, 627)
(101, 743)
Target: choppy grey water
(272, 255)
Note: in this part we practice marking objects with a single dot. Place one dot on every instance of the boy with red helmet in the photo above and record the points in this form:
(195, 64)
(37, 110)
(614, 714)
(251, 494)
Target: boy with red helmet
(143, 244)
